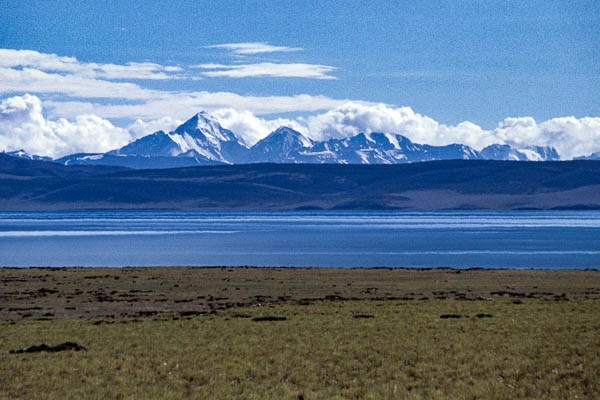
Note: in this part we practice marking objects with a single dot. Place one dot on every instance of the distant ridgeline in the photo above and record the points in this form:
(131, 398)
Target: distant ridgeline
(435, 185)
(203, 141)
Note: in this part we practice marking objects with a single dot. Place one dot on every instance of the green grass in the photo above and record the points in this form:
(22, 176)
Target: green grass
(538, 349)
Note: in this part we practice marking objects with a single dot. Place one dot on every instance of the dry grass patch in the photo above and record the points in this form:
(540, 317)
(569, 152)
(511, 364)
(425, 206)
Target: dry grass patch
(537, 349)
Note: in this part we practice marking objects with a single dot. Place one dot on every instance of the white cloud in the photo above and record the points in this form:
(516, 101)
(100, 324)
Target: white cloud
(251, 128)
(140, 128)
(67, 79)
(36, 81)
(252, 48)
(182, 105)
(51, 62)
(571, 136)
(297, 70)
(26, 71)
(156, 102)
(352, 118)
(23, 126)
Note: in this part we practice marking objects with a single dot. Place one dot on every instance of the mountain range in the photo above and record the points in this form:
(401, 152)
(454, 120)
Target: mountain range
(433, 185)
(203, 141)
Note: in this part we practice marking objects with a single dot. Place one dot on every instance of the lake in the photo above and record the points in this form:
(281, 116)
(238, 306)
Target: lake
(524, 239)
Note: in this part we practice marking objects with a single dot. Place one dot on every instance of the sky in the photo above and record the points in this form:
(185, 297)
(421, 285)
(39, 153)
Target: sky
(92, 76)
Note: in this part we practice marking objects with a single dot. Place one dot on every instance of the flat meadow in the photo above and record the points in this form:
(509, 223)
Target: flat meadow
(299, 333)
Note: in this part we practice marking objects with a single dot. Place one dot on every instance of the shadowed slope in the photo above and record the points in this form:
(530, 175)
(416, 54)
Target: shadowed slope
(430, 185)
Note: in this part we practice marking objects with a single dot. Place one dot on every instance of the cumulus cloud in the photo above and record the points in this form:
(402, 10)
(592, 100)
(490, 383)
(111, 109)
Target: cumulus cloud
(571, 136)
(140, 128)
(297, 70)
(251, 128)
(352, 118)
(252, 48)
(23, 126)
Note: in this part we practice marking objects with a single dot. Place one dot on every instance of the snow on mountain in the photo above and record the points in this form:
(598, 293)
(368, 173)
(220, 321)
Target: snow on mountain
(199, 141)
(593, 156)
(385, 148)
(283, 145)
(201, 137)
(157, 144)
(203, 141)
(132, 161)
(529, 153)
(23, 154)
(206, 137)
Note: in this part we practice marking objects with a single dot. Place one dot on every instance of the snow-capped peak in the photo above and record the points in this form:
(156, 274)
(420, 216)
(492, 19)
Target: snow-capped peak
(284, 131)
(202, 124)
(203, 135)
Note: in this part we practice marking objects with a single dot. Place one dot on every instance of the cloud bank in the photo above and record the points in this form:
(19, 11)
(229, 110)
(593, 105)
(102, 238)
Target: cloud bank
(23, 125)
(571, 136)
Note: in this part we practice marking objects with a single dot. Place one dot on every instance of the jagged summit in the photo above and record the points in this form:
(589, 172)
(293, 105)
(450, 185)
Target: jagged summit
(201, 140)
(204, 126)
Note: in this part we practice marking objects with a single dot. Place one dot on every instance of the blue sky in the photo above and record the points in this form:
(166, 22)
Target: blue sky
(452, 61)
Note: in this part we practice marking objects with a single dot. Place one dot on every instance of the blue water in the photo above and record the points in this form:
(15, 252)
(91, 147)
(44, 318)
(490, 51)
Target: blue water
(525, 239)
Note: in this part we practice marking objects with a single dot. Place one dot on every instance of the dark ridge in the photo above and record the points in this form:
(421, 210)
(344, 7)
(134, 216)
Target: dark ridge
(10, 165)
(434, 185)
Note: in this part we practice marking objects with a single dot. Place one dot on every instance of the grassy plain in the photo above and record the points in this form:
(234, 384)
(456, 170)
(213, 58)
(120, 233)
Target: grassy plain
(336, 333)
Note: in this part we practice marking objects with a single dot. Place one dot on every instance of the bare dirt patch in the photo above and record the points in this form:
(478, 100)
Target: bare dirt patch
(115, 293)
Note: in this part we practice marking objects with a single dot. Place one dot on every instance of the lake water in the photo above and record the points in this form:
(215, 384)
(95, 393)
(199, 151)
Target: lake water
(558, 239)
